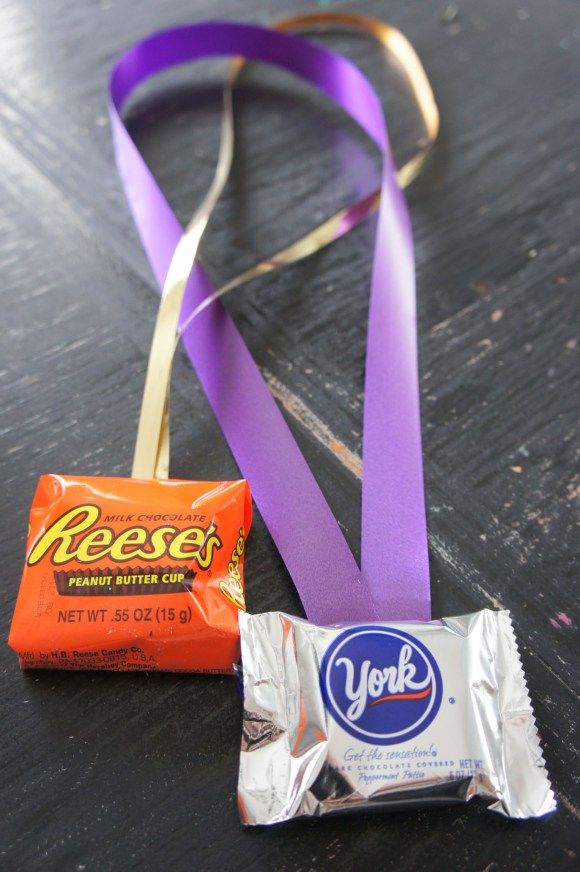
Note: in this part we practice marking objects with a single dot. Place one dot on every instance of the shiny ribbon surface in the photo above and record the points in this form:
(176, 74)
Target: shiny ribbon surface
(393, 581)
(396, 47)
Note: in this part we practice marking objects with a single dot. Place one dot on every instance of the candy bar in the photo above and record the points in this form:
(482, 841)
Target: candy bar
(126, 574)
(390, 716)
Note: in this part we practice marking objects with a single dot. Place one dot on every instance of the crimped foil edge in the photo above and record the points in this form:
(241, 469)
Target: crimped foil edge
(523, 757)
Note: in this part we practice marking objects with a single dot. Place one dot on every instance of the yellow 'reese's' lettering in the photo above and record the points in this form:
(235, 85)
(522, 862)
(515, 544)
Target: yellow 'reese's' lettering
(99, 538)
(132, 536)
(191, 543)
(233, 587)
(212, 543)
(64, 534)
(186, 543)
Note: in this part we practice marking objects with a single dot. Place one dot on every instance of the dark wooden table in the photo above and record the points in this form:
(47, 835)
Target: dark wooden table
(127, 771)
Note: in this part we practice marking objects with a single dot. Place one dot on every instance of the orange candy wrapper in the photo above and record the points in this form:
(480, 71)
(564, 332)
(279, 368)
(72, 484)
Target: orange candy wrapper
(128, 574)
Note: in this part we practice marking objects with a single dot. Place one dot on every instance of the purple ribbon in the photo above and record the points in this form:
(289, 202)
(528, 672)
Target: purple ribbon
(393, 582)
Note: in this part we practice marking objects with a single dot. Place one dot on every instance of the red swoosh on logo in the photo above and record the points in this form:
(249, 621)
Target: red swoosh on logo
(421, 694)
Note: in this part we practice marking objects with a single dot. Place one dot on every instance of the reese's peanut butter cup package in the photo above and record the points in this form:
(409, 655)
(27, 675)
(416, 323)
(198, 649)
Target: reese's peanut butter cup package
(125, 574)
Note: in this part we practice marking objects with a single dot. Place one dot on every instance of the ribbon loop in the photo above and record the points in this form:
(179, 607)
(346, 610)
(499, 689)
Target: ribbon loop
(394, 583)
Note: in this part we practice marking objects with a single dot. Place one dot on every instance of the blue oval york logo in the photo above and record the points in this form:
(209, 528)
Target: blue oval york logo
(380, 684)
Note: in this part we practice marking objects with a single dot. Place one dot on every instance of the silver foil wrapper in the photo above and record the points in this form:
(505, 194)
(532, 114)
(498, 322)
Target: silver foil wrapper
(391, 716)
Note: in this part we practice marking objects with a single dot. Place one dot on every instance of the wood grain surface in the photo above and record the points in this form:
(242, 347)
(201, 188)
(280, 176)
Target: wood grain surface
(133, 771)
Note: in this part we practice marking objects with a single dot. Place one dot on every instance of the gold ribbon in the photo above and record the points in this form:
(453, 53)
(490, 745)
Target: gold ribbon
(151, 457)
